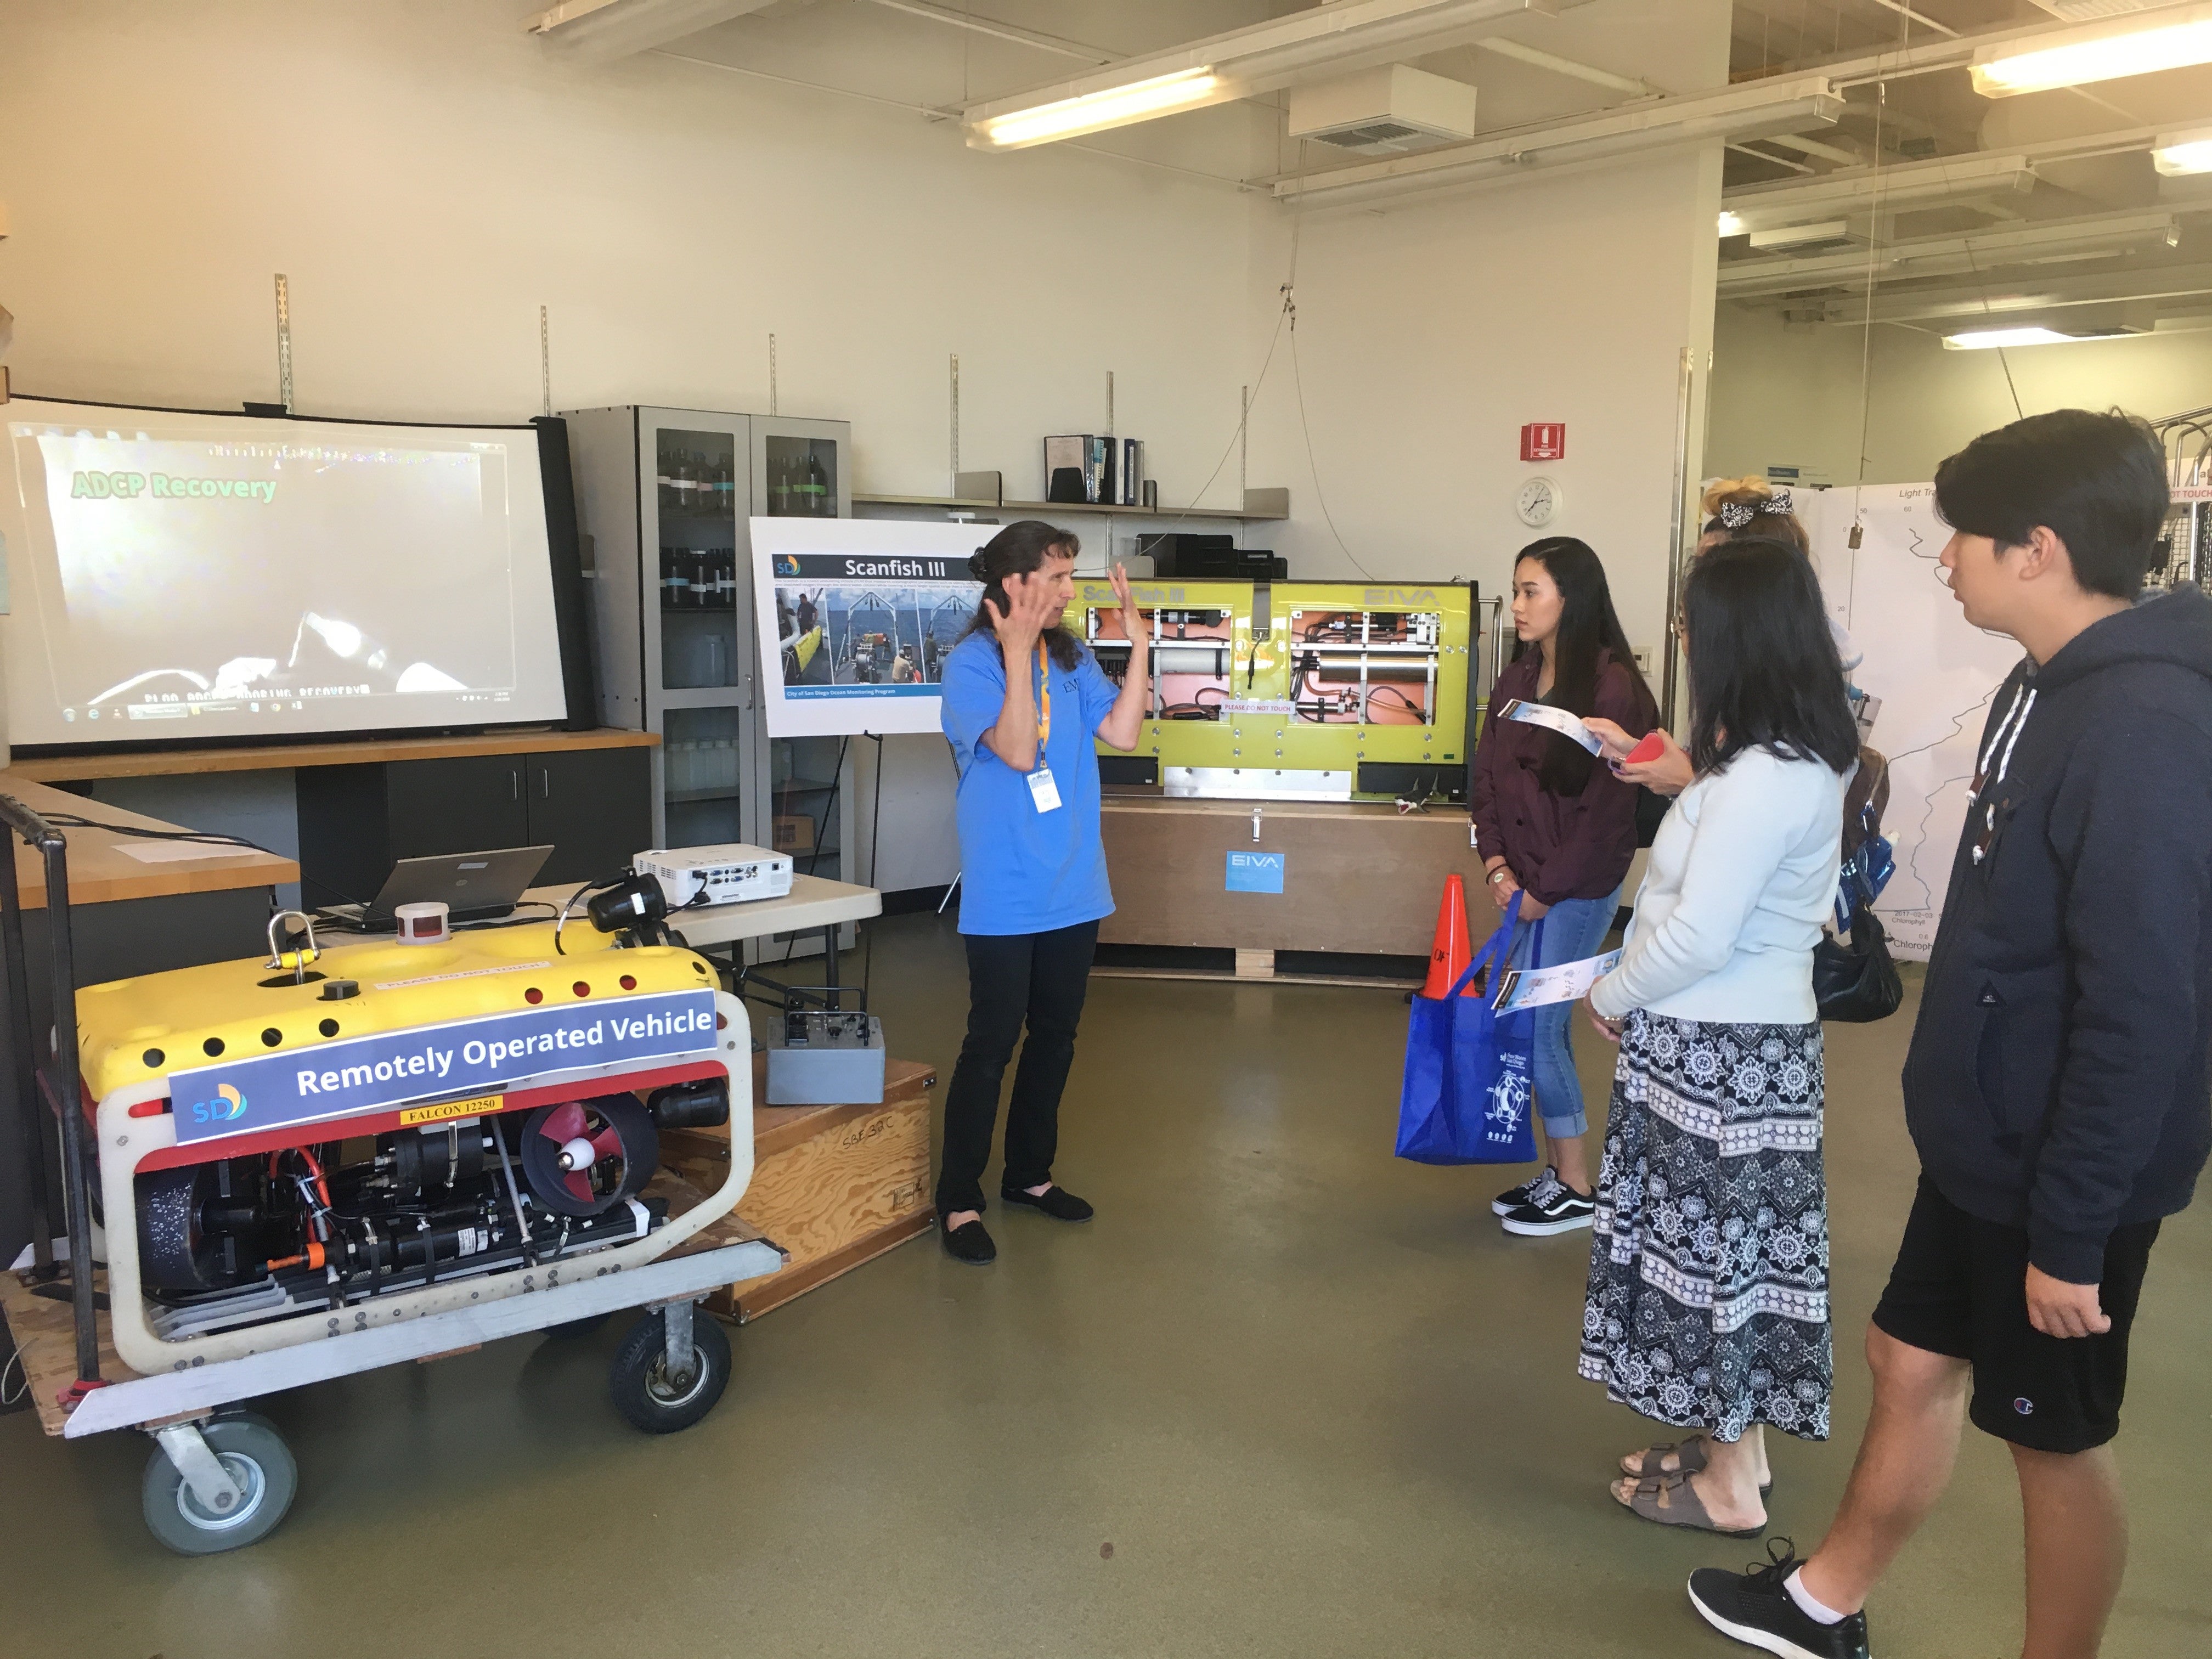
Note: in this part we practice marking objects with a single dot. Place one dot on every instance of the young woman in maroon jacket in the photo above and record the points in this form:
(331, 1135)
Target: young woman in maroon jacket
(1558, 829)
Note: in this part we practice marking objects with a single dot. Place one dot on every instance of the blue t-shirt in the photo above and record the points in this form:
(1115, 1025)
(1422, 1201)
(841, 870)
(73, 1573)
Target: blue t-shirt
(1022, 870)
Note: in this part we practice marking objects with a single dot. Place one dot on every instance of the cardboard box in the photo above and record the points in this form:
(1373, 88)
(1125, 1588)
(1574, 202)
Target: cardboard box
(794, 833)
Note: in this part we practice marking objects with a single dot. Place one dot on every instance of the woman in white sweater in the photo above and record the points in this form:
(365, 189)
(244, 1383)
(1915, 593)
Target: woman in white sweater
(1708, 1302)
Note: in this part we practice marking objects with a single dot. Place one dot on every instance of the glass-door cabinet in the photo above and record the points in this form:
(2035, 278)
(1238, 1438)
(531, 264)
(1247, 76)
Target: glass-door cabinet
(664, 498)
(798, 471)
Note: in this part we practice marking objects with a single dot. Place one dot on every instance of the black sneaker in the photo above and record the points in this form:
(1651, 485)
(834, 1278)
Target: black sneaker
(1555, 1207)
(1514, 1197)
(1755, 1608)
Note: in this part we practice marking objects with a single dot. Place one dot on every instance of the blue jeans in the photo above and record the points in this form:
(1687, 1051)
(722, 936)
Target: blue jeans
(1573, 929)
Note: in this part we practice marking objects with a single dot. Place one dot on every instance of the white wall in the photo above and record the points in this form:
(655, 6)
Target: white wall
(427, 176)
(1792, 398)
(1429, 333)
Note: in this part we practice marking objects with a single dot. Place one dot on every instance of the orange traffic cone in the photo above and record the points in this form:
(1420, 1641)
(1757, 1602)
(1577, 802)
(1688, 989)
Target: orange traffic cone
(1450, 955)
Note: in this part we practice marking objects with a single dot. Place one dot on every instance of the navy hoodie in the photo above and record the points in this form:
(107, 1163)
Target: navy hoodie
(2057, 1079)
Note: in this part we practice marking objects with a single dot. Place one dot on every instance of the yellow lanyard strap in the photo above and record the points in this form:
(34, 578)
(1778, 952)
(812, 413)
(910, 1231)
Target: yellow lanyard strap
(1044, 701)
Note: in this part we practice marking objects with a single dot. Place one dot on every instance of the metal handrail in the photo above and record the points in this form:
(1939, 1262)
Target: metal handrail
(62, 1077)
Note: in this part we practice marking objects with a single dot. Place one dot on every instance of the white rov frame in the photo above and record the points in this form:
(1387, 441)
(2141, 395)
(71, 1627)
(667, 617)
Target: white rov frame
(453, 1307)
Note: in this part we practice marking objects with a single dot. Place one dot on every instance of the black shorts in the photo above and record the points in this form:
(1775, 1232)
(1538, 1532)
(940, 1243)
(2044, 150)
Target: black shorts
(1959, 1287)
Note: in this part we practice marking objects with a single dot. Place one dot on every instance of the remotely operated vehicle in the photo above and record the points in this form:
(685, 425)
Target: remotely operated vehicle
(331, 1159)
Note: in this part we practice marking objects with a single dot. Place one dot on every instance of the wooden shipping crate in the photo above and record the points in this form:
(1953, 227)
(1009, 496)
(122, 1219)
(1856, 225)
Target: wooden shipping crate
(833, 1185)
(1358, 878)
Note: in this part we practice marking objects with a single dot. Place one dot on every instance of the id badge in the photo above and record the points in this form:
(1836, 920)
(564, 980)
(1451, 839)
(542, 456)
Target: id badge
(1043, 792)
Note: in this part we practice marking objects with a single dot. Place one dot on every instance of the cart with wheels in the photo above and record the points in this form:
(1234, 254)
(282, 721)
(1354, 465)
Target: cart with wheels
(279, 1172)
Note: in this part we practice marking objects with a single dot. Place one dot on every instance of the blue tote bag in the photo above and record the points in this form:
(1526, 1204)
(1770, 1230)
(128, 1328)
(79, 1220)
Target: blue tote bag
(1468, 1090)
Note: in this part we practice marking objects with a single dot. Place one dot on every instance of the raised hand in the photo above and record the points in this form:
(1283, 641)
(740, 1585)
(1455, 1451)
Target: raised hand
(1031, 609)
(1132, 624)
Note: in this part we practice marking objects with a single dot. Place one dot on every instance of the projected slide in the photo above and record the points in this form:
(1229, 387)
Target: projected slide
(198, 577)
(856, 618)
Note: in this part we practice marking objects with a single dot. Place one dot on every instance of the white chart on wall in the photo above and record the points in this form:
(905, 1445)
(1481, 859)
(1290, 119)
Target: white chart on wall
(1934, 674)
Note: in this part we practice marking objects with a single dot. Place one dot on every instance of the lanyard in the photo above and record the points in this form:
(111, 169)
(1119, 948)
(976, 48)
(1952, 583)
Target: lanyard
(1044, 701)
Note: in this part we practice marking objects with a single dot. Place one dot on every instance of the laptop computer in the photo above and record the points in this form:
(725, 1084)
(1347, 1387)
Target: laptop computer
(475, 886)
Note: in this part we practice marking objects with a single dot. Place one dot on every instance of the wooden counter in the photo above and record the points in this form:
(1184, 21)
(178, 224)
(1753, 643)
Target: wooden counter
(345, 751)
(100, 872)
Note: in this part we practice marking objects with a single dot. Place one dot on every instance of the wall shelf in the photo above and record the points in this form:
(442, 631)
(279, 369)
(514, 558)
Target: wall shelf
(1281, 508)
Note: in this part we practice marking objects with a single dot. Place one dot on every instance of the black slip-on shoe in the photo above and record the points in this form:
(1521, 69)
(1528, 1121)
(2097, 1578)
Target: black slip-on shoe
(1756, 1608)
(969, 1243)
(1056, 1201)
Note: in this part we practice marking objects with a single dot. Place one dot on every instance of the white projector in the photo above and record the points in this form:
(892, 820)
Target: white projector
(729, 874)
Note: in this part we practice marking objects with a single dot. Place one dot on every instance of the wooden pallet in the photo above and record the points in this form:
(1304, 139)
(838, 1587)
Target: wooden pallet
(834, 1186)
(1244, 965)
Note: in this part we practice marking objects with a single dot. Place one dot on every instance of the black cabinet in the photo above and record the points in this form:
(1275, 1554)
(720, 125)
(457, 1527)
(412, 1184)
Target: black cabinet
(592, 806)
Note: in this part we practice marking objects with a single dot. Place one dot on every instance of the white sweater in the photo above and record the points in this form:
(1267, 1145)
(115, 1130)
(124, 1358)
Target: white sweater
(1741, 877)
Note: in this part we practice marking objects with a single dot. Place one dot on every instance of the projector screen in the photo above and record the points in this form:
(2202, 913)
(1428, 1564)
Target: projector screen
(195, 578)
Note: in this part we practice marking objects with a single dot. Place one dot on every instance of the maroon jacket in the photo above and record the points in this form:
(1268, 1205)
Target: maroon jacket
(1559, 847)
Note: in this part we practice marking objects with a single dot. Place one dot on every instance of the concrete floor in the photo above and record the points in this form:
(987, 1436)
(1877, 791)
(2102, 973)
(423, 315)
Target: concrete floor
(1286, 1396)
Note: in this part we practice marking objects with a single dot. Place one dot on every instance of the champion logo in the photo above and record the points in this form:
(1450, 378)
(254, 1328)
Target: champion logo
(2024, 1405)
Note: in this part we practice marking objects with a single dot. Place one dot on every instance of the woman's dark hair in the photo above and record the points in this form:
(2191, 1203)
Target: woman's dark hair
(1019, 549)
(1587, 627)
(2097, 482)
(1764, 672)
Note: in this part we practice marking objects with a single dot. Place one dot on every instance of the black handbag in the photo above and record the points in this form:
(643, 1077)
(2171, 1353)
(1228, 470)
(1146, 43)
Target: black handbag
(1856, 983)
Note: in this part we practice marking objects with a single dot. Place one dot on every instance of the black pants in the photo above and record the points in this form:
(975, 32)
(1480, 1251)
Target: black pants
(1013, 977)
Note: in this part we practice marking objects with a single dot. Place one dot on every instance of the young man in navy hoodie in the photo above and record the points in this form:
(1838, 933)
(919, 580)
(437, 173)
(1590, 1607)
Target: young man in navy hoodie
(2056, 1087)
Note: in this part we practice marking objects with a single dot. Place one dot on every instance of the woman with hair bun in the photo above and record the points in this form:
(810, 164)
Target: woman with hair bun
(1740, 510)
(1023, 699)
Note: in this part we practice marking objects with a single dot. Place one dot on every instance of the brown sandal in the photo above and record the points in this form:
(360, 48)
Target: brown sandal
(1685, 1451)
(1687, 1509)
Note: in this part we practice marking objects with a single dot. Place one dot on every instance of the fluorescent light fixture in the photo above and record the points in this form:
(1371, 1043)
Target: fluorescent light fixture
(1095, 112)
(1313, 42)
(1985, 339)
(1975, 254)
(2180, 153)
(1731, 225)
(599, 31)
(2175, 37)
(1833, 230)
(1912, 185)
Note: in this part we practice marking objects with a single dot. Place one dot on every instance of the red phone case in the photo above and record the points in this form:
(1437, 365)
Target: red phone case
(1649, 750)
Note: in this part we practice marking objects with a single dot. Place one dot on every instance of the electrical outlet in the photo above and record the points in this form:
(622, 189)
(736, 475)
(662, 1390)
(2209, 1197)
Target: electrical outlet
(1643, 658)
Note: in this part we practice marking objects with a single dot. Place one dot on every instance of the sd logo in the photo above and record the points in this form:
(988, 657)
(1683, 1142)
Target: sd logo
(228, 1103)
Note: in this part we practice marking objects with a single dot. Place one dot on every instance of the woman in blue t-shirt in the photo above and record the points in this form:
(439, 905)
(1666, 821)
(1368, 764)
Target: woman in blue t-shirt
(1022, 698)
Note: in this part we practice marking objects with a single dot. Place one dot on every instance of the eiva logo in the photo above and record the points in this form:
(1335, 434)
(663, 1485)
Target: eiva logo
(227, 1104)
(1256, 860)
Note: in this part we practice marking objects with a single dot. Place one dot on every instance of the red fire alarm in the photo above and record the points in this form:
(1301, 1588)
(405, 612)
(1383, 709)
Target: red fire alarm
(1544, 440)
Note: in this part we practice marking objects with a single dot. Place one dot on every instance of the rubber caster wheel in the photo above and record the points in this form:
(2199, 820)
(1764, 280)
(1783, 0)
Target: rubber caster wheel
(254, 1455)
(648, 1396)
(575, 1327)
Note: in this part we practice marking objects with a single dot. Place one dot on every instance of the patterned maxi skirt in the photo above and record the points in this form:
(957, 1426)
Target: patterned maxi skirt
(1708, 1302)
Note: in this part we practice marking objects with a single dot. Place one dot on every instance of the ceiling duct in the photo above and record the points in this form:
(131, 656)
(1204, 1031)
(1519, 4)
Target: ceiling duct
(1761, 109)
(1388, 110)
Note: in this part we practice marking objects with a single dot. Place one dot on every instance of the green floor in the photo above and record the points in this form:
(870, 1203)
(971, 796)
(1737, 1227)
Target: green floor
(1285, 1396)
